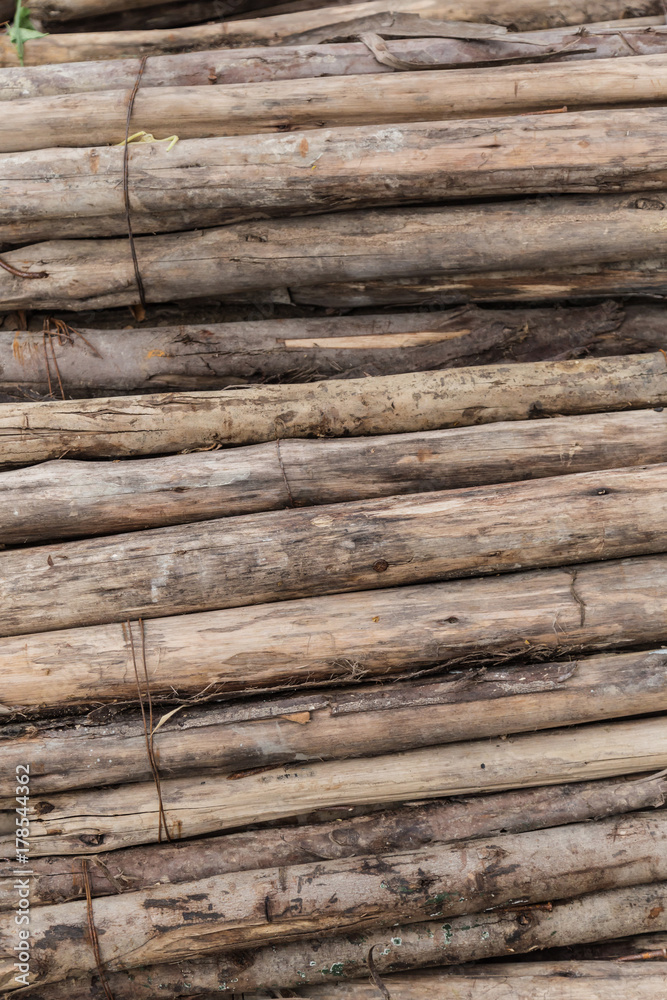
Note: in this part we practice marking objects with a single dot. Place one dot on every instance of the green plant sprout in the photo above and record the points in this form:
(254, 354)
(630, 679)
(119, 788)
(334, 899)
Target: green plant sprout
(22, 30)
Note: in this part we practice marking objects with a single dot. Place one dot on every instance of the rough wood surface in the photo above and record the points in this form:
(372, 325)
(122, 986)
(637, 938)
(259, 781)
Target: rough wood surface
(442, 881)
(538, 615)
(373, 244)
(67, 499)
(50, 194)
(513, 931)
(59, 879)
(357, 546)
(327, 726)
(99, 118)
(175, 422)
(54, 11)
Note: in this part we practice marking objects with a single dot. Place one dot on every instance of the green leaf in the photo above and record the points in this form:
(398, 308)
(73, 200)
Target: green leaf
(21, 29)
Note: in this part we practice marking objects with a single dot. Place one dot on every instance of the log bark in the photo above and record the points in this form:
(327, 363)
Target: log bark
(68, 499)
(534, 615)
(162, 423)
(99, 118)
(228, 911)
(90, 821)
(362, 545)
(358, 722)
(512, 931)
(631, 36)
(51, 13)
(59, 879)
(51, 194)
(365, 245)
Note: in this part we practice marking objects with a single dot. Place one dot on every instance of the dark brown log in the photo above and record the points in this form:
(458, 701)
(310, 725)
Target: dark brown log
(57, 880)
(363, 545)
(536, 615)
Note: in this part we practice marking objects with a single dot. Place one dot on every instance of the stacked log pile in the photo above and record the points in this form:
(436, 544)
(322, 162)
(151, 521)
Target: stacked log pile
(333, 464)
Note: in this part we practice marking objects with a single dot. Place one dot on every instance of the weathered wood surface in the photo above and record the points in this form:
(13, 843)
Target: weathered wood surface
(67, 499)
(357, 546)
(54, 11)
(606, 950)
(291, 62)
(58, 880)
(99, 118)
(117, 427)
(513, 931)
(441, 881)
(343, 638)
(354, 723)
(372, 244)
(522, 15)
(50, 194)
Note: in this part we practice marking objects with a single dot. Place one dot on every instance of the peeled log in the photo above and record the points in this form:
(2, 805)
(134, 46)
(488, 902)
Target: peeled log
(343, 638)
(57, 880)
(255, 908)
(55, 193)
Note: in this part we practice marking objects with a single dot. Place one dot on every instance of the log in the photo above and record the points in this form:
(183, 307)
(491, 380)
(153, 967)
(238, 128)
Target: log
(337, 896)
(162, 423)
(51, 194)
(58, 880)
(357, 722)
(94, 820)
(357, 546)
(66, 499)
(54, 11)
(524, 15)
(99, 118)
(360, 245)
(631, 36)
(337, 640)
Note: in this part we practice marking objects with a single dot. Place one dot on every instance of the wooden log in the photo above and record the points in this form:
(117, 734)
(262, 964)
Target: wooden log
(358, 546)
(68, 499)
(358, 722)
(48, 193)
(51, 13)
(99, 118)
(361, 245)
(58, 880)
(337, 640)
(518, 14)
(172, 422)
(346, 895)
(631, 36)
(93, 820)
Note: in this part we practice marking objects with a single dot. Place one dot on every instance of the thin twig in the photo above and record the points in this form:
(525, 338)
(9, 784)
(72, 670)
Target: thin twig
(92, 930)
(126, 188)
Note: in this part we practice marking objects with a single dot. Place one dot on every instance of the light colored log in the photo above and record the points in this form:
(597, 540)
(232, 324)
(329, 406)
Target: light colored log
(58, 880)
(50, 194)
(90, 821)
(343, 638)
(256, 908)
(359, 546)
(68, 499)
(99, 118)
(358, 722)
(175, 422)
(365, 245)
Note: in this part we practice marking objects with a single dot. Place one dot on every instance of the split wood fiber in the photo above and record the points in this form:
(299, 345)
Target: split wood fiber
(371, 244)
(522, 15)
(58, 880)
(99, 118)
(336, 896)
(175, 422)
(594, 917)
(54, 193)
(292, 62)
(357, 546)
(362, 721)
(339, 639)
(94, 820)
(66, 499)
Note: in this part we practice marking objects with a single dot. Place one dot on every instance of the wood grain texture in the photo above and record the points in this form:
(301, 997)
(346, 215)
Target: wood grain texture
(342, 638)
(50, 194)
(228, 911)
